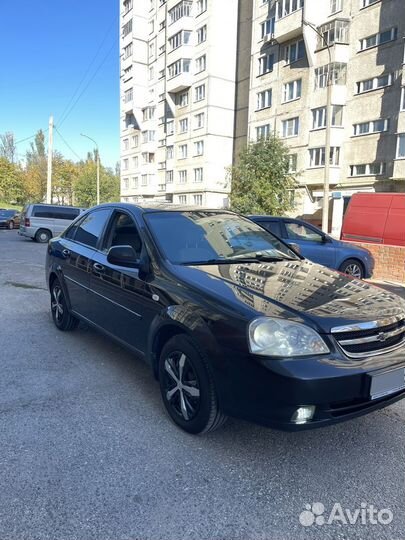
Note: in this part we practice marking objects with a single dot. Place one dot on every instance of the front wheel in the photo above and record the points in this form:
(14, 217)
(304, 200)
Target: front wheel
(187, 387)
(61, 317)
(353, 268)
(11, 225)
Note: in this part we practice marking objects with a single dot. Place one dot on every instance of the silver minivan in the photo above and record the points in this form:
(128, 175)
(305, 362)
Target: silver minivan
(41, 222)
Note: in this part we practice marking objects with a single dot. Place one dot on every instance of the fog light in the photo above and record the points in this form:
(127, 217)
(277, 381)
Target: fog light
(303, 414)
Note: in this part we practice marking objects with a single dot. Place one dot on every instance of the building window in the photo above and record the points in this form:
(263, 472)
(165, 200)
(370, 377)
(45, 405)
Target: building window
(266, 64)
(128, 51)
(403, 99)
(135, 162)
(128, 95)
(125, 164)
(264, 99)
(148, 157)
(135, 182)
(135, 141)
(333, 32)
(378, 39)
(200, 92)
(317, 156)
(263, 132)
(202, 34)
(201, 64)
(170, 127)
(183, 151)
(290, 127)
(127, 6)
(179, 39)
(267, 27)
(374, 126)
(335, 6)
(125, 144)
(169, 177)
(286, 7)
(319, 117)
(182, 199)
(182, 9)
(199, 120)
(292, 90)
(127, 28)
(369, 169)
(401, 146)
(198, 175)
(198, 200)
(292, 163)
(199, 148)
(148, 113)
(126, 183)
(336, 71)
(170, 152)
(201, 6)
(183, 125)
(294, 51)
(148, 136)
(144, 180)
(375, 83)
(182, 177)
(181, 66)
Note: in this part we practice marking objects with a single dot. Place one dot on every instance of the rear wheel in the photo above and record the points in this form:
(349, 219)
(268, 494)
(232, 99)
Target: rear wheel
(43, 236)
(353, 268)
(61, 317)
(187, 387)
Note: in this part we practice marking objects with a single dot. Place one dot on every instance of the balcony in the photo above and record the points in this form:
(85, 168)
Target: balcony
(288, 27)
(179, 82)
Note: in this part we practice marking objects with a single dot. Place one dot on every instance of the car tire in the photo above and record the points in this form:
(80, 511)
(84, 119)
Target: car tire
(353, 268)
(11, 225)
(193, 406)
(63, 320)
(43, 236)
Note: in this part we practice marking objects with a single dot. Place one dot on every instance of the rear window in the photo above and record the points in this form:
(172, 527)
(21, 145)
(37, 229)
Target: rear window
(56, 212)
(271, 226)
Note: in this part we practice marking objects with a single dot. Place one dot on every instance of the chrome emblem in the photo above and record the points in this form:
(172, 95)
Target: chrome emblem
(381, 337)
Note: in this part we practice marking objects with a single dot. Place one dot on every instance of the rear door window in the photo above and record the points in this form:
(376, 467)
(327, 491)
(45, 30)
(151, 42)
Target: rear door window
(271, 226)
(55, 212)
(91, 227)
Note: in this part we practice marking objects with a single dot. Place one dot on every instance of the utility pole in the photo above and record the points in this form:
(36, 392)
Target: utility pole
(50, 151)
(97, 164)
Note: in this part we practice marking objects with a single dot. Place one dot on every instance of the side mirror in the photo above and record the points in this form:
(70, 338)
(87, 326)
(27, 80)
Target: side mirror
(295, 247)
(326, 239)
(123, 256)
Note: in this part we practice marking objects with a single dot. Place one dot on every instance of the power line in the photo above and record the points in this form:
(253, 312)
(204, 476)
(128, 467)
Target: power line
(67, 144)
(87, 85)
(88, 69)
(31, 137)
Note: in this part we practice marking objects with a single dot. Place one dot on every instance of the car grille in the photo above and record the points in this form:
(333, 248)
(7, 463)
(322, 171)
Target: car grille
(357, 342)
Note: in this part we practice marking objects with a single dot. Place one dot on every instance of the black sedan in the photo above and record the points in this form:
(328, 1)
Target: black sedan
(230, 319)
(9, 219)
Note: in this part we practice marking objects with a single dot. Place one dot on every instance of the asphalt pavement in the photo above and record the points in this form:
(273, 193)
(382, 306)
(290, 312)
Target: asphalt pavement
(87, 451)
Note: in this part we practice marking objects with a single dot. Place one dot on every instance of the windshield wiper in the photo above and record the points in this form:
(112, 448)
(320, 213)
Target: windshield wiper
(261, 257)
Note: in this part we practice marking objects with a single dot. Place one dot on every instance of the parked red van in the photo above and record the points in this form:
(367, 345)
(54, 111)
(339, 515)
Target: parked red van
(376, 218)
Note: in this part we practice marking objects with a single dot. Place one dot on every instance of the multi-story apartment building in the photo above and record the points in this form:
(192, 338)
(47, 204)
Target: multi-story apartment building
(296, 46)
(179, 72)
(201, 77)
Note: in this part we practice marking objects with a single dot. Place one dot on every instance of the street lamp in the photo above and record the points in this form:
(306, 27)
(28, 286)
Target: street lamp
(326, 190)
(98, 166)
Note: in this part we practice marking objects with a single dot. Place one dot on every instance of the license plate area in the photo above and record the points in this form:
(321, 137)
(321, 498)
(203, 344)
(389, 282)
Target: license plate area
(387, 383)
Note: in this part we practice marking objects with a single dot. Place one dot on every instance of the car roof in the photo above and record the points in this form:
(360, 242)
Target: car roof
(162, 207)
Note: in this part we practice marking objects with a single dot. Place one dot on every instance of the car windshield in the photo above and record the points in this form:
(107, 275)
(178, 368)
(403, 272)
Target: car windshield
(204, 237)
(7, 213)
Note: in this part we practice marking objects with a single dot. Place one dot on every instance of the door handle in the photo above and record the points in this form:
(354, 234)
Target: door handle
(98, 268)
(66, 253)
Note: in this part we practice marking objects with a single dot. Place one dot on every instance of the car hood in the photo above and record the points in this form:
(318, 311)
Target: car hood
(298, 290)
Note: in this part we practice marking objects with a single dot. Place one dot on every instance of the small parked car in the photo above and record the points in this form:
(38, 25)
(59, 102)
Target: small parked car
(319, 247)
(9, 219)
(41, 222)
(231, 321)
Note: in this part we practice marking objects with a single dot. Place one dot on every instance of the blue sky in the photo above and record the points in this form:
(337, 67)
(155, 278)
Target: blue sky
(47, 48)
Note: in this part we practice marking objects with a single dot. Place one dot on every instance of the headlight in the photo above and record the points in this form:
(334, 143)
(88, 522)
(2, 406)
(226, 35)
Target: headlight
(278, 337)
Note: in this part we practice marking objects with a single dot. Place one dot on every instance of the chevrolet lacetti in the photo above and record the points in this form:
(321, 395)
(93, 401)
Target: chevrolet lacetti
(232, 321)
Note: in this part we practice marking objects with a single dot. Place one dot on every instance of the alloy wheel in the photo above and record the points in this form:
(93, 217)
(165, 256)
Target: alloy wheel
(181, 386)
(354, 270)
(57, 303)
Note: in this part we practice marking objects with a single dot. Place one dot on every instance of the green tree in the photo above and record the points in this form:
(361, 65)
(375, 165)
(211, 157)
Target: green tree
(85, 187)
(261, 183)
(12, 189)
(8, 148)
(36, 169)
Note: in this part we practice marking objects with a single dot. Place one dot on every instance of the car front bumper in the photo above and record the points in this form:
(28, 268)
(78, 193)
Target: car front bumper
(269, 392)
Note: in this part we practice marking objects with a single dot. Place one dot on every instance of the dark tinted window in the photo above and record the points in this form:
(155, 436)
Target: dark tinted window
(91, 228)
(299, 231)
(271, 226)
(55, 212)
